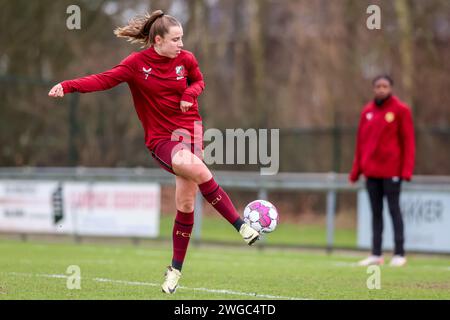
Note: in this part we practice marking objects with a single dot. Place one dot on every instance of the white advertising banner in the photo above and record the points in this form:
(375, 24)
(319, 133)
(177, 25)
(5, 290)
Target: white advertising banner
(113, 209)
(426, 217)
(81, 208)
(32, 206)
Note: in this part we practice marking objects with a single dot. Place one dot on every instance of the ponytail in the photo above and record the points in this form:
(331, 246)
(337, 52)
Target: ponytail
(144, 29)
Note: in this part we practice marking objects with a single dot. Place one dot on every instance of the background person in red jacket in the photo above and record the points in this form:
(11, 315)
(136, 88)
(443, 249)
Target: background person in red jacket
(385, 151)
(165, 82)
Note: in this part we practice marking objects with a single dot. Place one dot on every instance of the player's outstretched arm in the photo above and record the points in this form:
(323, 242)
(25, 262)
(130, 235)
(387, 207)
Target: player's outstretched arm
(122, 72)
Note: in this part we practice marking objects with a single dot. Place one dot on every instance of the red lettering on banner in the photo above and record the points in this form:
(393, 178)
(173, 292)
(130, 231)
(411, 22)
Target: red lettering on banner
(89, 199)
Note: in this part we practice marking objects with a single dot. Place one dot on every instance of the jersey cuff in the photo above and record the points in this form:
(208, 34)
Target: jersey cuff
(187, 98)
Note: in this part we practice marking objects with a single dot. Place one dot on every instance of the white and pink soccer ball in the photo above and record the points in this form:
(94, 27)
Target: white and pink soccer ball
(261, 215)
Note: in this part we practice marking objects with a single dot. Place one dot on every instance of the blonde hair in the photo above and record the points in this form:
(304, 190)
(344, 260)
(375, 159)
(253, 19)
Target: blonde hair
(143, 29)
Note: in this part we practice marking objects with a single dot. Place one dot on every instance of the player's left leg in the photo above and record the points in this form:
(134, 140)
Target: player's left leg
(188, 165)
(392, 189)
(185, 192)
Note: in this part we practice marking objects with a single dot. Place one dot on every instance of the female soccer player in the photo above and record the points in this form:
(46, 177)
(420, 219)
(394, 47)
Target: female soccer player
(385, 152)
(165, 82)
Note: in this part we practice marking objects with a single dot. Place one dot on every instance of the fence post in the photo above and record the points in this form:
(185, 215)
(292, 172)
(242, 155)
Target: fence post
(262, 195)
(198, 217)
(331, 212)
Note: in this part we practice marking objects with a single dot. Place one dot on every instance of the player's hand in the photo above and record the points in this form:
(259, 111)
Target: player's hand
(57, 91)
(184, 105)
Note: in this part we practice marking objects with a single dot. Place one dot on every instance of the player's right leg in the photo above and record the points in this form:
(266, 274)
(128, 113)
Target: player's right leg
(185, 192)
(191, 167)
(375, 191)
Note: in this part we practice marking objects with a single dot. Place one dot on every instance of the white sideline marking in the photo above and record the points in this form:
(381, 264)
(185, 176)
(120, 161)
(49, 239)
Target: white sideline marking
(345, 264)
(351, 264)
(434, 267)
(150, 284)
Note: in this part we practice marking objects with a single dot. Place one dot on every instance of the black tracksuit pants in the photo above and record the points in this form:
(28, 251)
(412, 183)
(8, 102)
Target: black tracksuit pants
(378, 189)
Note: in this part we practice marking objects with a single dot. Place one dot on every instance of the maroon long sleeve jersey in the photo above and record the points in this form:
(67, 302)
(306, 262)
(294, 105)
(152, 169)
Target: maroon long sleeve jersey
(157, 84)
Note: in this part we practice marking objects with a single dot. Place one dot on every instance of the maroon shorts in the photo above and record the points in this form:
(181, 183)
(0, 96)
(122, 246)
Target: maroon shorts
(165, 150)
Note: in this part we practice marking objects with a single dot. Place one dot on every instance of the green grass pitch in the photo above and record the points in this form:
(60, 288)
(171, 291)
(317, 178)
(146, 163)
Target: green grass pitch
(215, 229)
(37, 270)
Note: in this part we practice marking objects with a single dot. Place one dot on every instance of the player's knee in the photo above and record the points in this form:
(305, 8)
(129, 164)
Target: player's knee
(202, 175)
(186, 205)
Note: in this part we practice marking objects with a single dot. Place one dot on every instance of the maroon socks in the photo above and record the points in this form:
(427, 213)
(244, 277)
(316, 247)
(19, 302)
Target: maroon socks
(219, 199)
(184, 222)
(181, 235)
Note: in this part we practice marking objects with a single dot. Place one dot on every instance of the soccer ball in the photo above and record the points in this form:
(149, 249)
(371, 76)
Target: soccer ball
(261, 215)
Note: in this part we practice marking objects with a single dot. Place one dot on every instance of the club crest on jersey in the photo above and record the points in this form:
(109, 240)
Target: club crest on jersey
(389, 117)
(146, 72)
(369, 116)
(179, 70)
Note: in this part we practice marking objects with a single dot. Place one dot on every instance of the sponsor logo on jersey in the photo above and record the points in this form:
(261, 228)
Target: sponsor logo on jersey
(146, 72)
(179, 70)
(389, 117)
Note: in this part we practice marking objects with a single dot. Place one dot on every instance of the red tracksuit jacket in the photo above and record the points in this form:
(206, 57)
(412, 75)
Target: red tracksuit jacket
(157, 85)
(385, 145)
